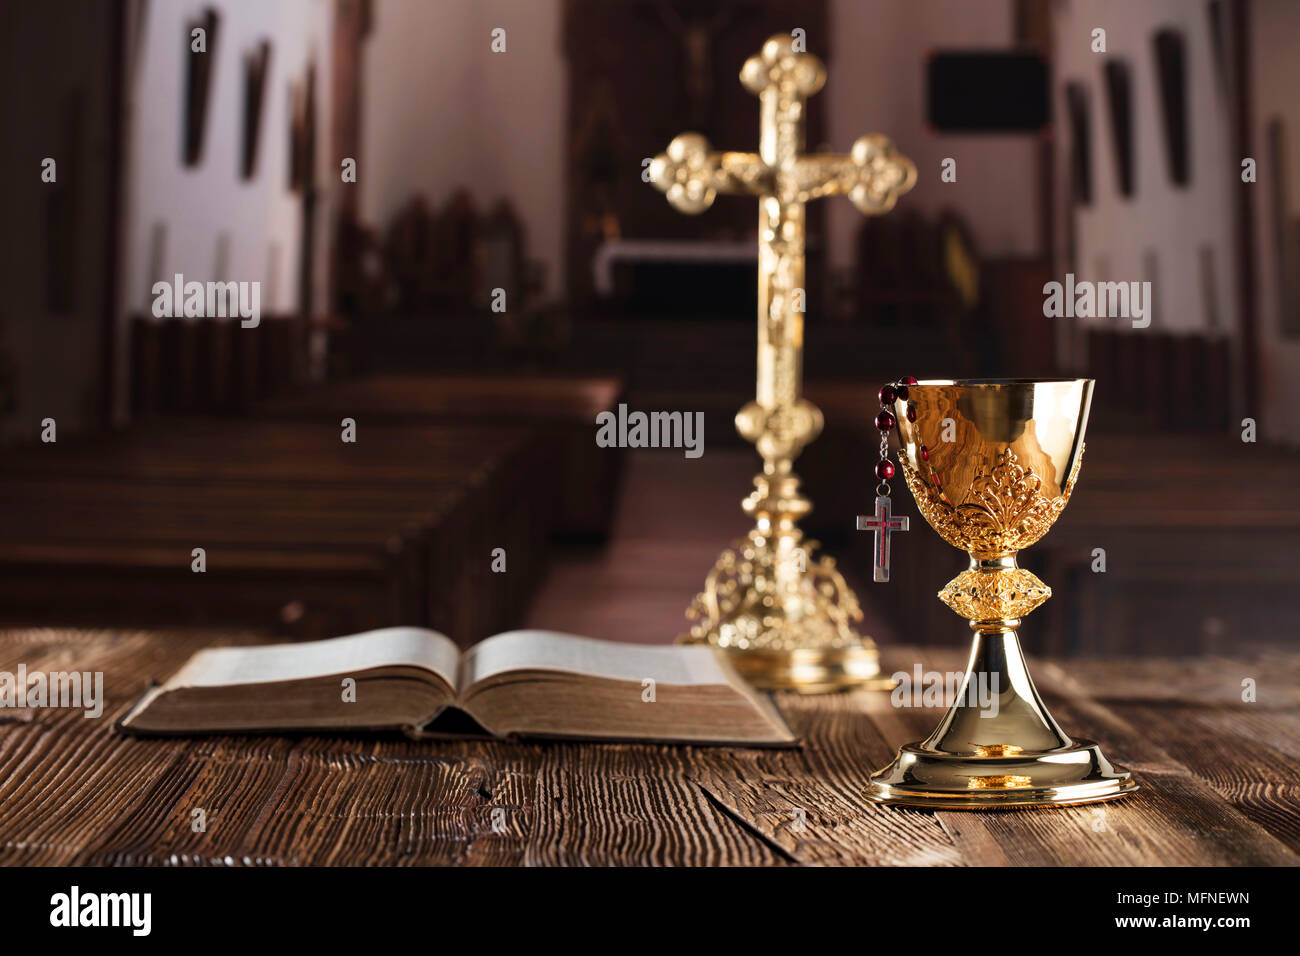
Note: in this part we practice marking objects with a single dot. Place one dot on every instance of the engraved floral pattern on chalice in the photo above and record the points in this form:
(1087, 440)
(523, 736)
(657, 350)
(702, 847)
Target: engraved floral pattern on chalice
(1004, 510)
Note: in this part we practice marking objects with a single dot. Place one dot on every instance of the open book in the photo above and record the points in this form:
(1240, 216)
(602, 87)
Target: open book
(521, 683)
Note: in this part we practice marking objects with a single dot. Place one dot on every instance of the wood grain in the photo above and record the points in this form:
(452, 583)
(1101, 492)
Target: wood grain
(1220, 782)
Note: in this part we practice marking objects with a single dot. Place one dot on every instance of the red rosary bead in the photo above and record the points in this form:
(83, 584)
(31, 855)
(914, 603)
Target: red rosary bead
(884, 469)
(908, 380)
(885, 421)
(925, 453)
(911, 413)
(887, 395)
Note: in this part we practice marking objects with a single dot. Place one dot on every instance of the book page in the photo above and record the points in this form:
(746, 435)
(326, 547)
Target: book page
(273, 663)
(685, 665)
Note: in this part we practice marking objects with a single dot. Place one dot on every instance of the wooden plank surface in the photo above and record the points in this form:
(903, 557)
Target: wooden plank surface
(1221, 781)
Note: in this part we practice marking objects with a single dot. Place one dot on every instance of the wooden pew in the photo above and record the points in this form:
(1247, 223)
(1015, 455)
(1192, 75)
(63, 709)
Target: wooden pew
(563, 408)
(1159, 380)
(214, 366)
(302, 531)
(1199, 559)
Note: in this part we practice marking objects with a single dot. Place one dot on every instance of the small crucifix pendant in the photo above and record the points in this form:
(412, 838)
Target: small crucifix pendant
(883, 524)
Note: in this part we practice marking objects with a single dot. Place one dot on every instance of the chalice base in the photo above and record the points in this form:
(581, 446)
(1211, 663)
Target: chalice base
(1014, 755)
(920, 777)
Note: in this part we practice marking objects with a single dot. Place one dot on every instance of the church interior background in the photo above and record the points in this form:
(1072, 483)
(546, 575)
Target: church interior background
(446, 209)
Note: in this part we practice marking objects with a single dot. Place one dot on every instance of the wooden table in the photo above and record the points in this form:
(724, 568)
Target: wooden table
(1220, 778)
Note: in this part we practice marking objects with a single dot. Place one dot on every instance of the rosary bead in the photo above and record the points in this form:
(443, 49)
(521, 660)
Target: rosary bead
(884, 469)
(925, 453)
(887, 395)
(911, 413)
(885, 421)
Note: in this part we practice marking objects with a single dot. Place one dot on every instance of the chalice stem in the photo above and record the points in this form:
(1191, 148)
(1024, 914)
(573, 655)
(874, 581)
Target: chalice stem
(997, 711)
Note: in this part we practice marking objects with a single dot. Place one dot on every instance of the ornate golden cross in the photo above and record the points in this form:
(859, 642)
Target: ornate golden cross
(764, 595)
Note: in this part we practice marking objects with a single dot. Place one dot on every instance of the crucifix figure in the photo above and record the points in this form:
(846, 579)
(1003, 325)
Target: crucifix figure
(697, 34)
(788, 618)
(883, 523)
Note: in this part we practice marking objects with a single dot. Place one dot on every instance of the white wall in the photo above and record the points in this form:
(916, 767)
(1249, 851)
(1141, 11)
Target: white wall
(1172, 221)
(876, 84)
(200, 203)
(441, 112)
(1275, 69)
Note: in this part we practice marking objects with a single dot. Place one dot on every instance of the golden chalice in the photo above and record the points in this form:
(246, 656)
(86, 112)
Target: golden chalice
(991, 464)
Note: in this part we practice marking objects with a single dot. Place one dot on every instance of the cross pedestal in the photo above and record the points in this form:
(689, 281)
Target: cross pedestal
(787, 619)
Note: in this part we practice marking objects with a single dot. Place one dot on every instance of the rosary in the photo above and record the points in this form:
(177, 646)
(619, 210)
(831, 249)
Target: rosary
(883, 523)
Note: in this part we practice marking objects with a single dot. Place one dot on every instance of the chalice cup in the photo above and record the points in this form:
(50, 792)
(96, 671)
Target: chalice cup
(991, 464)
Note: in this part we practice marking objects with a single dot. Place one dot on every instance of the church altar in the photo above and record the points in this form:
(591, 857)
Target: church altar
(694, 251)
(1215, 799)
